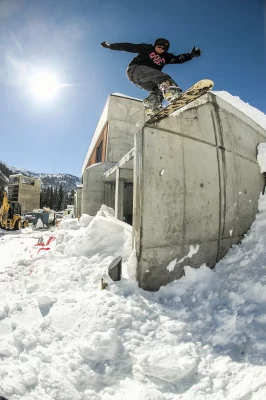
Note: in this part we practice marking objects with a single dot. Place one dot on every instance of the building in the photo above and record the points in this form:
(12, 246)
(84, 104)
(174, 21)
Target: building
(70, 210)
(112, 140)
(190, 182)
(78, 201)
(25, 190)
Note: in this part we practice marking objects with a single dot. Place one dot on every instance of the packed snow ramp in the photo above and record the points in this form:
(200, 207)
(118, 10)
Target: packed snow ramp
(197, 185)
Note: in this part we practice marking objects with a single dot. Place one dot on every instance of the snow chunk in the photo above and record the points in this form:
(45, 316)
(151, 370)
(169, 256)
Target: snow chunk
(30, 371)
(171, 266)
(192, 250)
(104, 231)
(261, 157)
(69, 223)
(85, 220)
(45, 304)
(57, 386)
(39, 224)
(168, 363)
(101, 346)
(6, 349)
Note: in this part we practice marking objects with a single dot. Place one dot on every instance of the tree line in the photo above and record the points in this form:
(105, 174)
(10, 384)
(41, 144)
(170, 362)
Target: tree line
(56, 198)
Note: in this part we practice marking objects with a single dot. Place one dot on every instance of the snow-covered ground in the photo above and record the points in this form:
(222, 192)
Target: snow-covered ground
(62, 338)
(202, 337)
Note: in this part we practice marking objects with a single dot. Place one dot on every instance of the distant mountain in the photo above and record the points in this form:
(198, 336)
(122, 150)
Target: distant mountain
(68, 181)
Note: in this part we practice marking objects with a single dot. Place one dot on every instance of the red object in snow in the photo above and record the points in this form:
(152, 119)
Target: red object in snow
(51, 238)
(43, 246)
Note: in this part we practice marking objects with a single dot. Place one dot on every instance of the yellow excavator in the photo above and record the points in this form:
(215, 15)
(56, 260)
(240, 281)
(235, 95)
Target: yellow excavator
(10, 215)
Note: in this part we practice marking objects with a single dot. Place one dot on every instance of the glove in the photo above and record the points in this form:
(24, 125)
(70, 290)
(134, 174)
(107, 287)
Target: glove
(195, 52)
(105, 44)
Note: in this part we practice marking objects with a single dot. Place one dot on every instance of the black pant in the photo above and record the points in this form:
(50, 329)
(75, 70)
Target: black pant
(149, 78)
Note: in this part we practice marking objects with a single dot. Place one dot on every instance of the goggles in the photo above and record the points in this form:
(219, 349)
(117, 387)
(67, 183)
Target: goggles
(162, 44)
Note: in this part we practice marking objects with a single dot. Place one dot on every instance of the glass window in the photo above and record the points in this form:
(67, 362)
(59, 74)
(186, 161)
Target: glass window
(99, 152)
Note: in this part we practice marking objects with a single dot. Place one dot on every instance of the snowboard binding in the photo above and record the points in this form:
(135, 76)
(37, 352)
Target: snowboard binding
(170, 92)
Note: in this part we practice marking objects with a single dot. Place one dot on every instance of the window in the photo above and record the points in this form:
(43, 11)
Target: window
(13, 192)
(99, 151)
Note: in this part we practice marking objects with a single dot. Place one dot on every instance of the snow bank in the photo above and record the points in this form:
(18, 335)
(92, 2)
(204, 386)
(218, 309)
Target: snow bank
(201, 337)
(61, 338)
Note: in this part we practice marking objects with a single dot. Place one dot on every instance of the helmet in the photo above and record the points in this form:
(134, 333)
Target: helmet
(162, 42)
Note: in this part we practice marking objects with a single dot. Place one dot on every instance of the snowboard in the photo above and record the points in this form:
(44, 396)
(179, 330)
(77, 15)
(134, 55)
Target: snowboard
(196, 91)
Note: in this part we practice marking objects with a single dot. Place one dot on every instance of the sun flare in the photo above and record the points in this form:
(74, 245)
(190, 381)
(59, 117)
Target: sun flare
(44, 85)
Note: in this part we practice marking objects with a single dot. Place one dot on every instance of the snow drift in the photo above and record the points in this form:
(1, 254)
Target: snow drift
(202, 337)
(61, 338)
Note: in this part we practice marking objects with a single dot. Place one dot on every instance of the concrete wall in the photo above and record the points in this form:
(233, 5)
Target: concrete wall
(93, 188)
(78, 201)
(197, 183)
(123, 114)
(109, 194)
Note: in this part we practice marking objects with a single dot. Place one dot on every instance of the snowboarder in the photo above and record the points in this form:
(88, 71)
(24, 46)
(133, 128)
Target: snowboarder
(145, 70)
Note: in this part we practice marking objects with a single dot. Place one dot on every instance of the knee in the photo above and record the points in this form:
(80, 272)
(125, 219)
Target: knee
(165, 78)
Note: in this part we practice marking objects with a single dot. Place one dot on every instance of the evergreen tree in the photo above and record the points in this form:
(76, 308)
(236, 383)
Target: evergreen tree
(1, 195)
(55, 199)
(42, 199)
(51, 199)
(60, 198)
(47, 197)
(72, 197)
(65, 200)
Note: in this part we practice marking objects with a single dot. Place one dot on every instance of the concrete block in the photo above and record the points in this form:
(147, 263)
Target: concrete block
(93, 188)
(162, 162)
(120, 140)
(125, 109)
(245, 139)
(197, 123)
(201, 177)
(196, 183)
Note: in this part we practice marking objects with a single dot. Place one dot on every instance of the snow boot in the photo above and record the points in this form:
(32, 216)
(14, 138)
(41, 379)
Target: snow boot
(170, 92)
(151, 107)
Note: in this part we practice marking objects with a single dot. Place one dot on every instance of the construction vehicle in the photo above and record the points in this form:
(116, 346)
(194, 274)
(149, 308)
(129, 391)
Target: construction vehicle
(10, 215)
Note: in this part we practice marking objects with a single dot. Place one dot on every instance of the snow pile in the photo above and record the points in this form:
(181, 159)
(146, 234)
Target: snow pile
(202, 337)
(62, 338)
(258, 116)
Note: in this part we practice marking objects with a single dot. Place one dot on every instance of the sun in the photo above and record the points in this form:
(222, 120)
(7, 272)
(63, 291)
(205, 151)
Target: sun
(44, 85)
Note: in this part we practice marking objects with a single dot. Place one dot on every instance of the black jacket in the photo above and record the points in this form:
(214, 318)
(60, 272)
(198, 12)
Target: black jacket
(147, 55)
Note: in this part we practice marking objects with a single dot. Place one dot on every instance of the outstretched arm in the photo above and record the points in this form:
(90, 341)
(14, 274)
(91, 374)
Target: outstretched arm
(129, 47)
(181, 58)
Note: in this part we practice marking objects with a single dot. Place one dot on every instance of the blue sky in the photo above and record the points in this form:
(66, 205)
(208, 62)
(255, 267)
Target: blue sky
(64, 36)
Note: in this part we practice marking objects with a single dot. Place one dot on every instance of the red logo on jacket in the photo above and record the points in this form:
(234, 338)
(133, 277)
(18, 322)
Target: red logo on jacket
(157, 59)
